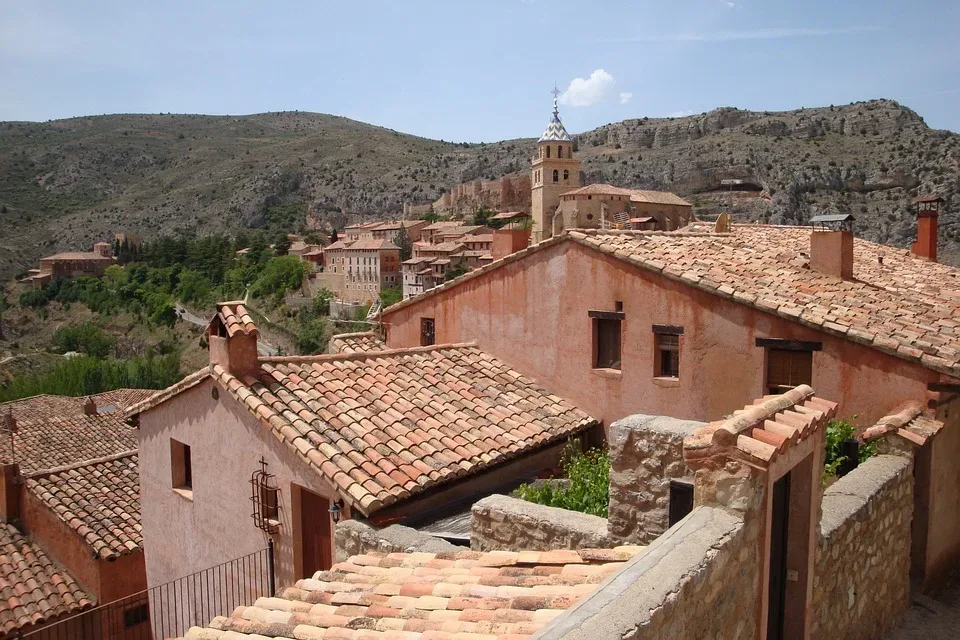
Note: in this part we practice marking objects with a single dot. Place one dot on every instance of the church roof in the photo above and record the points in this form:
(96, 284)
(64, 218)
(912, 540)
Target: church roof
(555, 131)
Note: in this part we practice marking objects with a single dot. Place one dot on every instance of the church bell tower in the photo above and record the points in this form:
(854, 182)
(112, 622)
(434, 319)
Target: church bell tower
(554, 171)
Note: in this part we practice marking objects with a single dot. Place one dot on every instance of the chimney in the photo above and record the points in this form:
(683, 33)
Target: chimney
(507, 241)
(831, 245)
(89, 406)
(233, 339)
(928, 212)
(9, 473)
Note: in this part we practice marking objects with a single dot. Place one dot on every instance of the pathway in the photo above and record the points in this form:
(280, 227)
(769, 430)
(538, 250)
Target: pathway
(932, 618)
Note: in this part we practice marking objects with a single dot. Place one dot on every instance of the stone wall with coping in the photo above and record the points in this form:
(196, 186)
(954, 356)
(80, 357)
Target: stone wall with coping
(862, 574)
(354, 537)
(694, 581)
(503, 523)
(646, 453)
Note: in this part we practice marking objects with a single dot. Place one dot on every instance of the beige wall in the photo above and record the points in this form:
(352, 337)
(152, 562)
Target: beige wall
(182, 536)
(943, 518)
(532, 313)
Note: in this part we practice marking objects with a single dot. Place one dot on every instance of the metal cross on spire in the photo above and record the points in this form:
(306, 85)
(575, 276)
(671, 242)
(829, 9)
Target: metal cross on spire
(556, 94)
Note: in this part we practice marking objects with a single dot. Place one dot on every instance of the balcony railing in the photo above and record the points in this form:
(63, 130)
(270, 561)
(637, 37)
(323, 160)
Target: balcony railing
(169, 610)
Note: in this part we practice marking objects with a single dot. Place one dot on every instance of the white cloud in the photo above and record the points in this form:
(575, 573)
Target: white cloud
(625, 97)
(680, 114)
(754, 34)
(730, 4)
(599, 87)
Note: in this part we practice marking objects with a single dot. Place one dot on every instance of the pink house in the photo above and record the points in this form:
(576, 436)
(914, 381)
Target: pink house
(253, 448)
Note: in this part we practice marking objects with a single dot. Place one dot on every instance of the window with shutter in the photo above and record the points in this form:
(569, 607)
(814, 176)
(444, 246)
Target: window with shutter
(786, 369)
(607, 354)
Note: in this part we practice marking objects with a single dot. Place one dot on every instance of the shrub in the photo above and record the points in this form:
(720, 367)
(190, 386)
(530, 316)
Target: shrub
(87, 338)
(588, 490)
(839, 431)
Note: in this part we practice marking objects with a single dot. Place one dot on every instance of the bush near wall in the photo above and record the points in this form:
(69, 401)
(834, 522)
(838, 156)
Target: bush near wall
(588, 489)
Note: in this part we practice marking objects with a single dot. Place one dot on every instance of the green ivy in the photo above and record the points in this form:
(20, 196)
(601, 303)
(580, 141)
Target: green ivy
(837, 432)
(588, 490)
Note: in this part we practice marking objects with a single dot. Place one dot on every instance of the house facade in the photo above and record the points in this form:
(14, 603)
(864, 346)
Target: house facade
(70, 265)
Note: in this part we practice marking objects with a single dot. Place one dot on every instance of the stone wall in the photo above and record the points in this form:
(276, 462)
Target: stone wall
(646, 453)
(510, 524)
(353, 537)
(698, 580)
(862, 573)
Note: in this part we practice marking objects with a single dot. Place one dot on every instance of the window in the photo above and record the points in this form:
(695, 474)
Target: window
(566, 175)
(559, 151)
(136, 615)
(548, 151)
(427, 332)
(181, 465)
(556, 176)
(788, 368)
(666, 340)
(607, 351)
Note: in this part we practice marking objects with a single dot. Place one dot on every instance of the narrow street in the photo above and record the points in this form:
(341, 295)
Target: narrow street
(932, 618)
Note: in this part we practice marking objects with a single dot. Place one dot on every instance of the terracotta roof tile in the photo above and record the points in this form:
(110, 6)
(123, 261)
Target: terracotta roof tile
(393, 409)
(99, 499)
(55, 442)
(44, 407)
(903, 306)
(908, 421)
(34, 589)
(464, 595)
(235, 318)
(362, 342)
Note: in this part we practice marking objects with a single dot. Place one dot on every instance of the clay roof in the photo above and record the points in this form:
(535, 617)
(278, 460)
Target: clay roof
(55, 442)
(397, 224)
(45, 406)
(363, 342)
(443, 224)
(442, 247)
(905, 306)
(163, 395)
(235, 318)
(385, 426)
(485, 237)
(34, 589)
(77, 255)
(465, 230)
(761, 432)
(364, 225)
(373, 245)
(907, 421)
(465, 595)
(339, 245)
(99, 499)
(509, 215)
(635, 195)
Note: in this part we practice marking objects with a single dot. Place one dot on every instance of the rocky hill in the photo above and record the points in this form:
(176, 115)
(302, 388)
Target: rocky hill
(67, 183)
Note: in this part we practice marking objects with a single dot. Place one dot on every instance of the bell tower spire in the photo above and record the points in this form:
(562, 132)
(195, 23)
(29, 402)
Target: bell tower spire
(554, 171)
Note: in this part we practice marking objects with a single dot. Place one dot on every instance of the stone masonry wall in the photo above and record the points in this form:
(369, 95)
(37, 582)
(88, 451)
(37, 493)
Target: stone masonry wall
(695, 581)
(354, 537)
(646, 453)
(862, 573)
(509, 524)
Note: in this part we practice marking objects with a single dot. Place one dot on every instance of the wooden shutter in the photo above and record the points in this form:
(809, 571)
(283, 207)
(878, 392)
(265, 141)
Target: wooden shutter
(608, 344)
(787, 369)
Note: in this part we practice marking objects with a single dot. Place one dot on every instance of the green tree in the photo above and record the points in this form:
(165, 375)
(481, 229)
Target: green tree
(321, 302)
(482, 215)
(588, 489)
(458, 270)
(312, 337)
(406, 246)
(279, 275)
(86, 338)
(391, 296)
(281, 244)
(333, 236)
(193, 287)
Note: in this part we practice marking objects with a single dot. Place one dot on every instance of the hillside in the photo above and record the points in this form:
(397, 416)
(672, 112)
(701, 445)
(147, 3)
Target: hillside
(67, 183)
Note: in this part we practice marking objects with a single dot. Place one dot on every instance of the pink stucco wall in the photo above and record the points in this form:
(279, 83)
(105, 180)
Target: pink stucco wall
(182, 536)
(943, 533)
(532, 313)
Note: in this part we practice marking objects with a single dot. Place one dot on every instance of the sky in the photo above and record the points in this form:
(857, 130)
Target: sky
(477, 71)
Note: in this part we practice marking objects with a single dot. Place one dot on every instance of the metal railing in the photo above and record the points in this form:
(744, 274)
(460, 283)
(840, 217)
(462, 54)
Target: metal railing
(169, 610)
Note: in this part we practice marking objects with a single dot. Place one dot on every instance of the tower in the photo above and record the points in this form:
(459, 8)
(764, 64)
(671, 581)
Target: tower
(554, 171)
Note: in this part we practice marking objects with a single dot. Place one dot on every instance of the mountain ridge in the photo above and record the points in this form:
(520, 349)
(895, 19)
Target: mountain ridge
(68, 183)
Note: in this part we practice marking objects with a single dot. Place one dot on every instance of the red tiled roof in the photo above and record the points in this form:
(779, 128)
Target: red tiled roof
(44, 406)
(441, 247)
(235, 318)
(77, 255)
(635, 195)
(34, 589)
(907, 421)
(99, 499)
(763, 431)
(163, 395)
(904, 306)
(508, 215)
(467, 595)
(443, 224)
(388, 425)
(339, 245)
(55, 442)
(363, 342)
(373, 245)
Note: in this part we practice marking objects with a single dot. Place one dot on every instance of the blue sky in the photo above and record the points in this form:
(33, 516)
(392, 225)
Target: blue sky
(477, 71)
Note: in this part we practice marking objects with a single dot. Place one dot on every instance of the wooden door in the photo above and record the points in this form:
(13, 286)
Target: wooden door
(778, 558)
(315, 535)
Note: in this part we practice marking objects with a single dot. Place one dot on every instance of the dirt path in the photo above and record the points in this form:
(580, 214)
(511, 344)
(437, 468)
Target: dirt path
(932, 618)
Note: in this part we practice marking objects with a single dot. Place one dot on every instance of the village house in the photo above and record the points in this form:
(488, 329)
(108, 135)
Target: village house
(70, 501)
(390, 230)
(70, 265)
(391, 436)
(357, 270)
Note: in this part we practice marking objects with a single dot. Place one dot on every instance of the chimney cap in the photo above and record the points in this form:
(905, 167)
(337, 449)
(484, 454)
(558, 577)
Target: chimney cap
(928, 199)
(843, 221)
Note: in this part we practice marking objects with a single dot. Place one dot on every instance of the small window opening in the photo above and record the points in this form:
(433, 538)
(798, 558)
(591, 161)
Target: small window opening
(559, 151)
(556, 176)
(548, 151)
(681, 500)
(668, 355)
(136, 615)
(427, 332)
(265, 497)
(566, 175)
(181, 465)
(607, 351)
(787, 368)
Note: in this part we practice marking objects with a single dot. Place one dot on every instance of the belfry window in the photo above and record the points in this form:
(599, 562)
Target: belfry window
(559, 151)
(556, 176)
(566, 175)
(548, 151)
